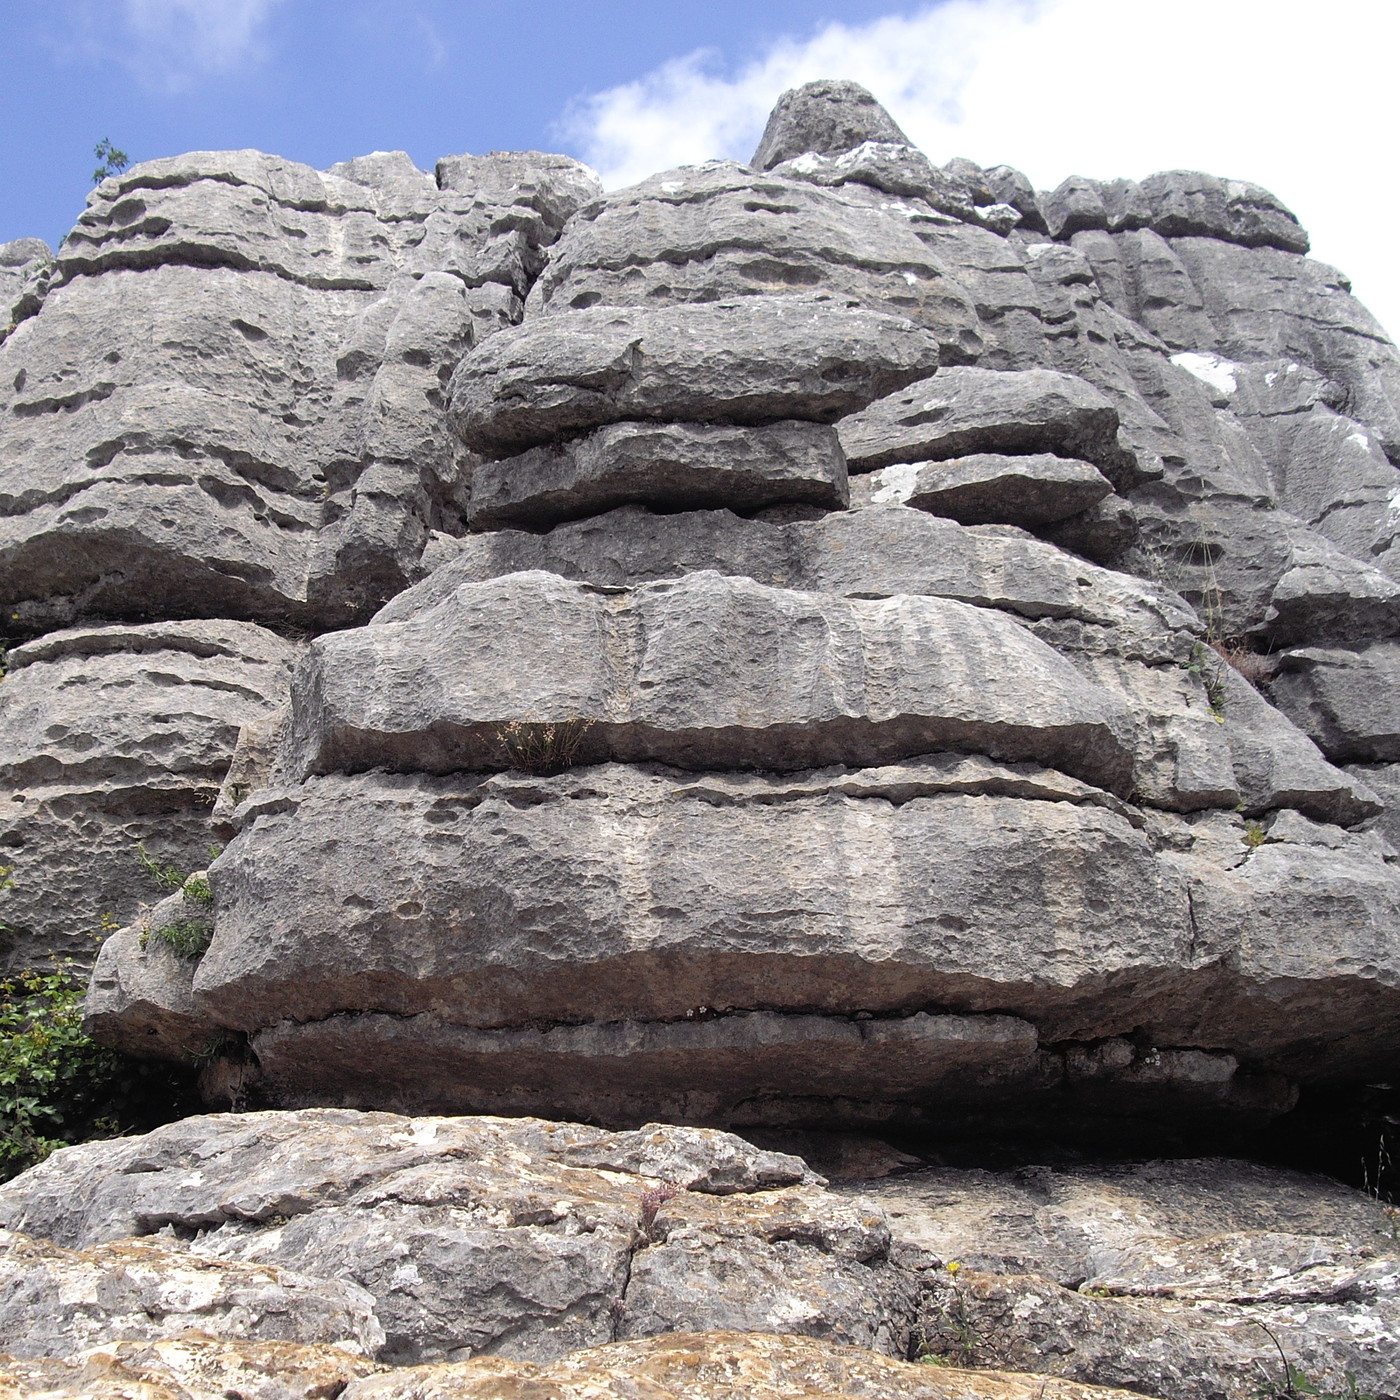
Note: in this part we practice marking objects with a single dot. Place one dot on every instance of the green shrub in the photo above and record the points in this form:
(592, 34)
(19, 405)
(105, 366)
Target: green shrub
(188, 938)
(166, 877)
(58, 1086)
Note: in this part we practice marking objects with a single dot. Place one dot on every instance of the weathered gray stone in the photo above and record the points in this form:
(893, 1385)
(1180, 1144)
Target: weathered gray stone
(190, 1367)
(718, 230)
(827, 117)
(987, 488)
(1267, 304)
(502, 1239)
(677, 465)
(742, 360)
(58, 1301)
(1348, 702)
(233, 402)
(869, 553)
(715, 1366)
(514, 1237)
(965, 410)
(1161, 1275)
(139, 998)
(25, 267)
(704, 671)
(110, 737)
(1174, 204)
(900, 170)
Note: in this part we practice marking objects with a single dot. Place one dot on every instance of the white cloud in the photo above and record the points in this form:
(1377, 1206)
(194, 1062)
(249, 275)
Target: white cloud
(170, 44)
(1292, 95)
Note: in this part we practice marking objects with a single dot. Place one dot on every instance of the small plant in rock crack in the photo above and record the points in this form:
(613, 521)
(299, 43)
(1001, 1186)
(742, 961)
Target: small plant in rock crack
(1255, 834)
(1207, 665)
(1257, 669)
(956, 1339)
(1290, 1383)
(186, 938)
(166, 877)
(542, 748)
(652, 1199)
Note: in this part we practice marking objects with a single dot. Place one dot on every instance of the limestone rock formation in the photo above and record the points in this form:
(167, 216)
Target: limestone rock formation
(840, 644)
(523, 1241)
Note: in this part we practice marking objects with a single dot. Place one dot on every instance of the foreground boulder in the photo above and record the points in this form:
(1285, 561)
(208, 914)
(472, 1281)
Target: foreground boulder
(590, 1253)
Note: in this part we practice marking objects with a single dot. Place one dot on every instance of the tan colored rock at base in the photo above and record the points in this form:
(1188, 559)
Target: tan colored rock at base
(715, 1366)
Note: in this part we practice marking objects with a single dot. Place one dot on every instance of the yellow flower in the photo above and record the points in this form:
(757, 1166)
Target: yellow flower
(953, 1266)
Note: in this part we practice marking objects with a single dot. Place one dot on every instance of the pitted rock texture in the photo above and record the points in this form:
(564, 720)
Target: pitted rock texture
(192, 1366)
(873, 791)
(512, 1237)
(232, 405)
(114, 738)
(1172, 1278)
(828, 640)
(523, 1244)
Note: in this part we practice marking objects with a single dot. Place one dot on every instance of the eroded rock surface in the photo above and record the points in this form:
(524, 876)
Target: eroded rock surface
(113, 739)
(842, 643)
(488, 1248)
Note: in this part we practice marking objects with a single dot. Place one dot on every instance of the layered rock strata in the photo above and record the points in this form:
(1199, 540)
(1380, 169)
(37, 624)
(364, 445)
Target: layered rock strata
(833, 640)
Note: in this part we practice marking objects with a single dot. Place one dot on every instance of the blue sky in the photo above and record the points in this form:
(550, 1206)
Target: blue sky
(1295, 96)
(322, 80)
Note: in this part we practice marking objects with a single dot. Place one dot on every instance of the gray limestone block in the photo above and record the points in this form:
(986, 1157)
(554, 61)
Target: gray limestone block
(902, 171)
(1348, 702)
(59, 1301)
(1277, 765)
(513, 1237)
(1328, 597)
(963, 410)
(703, 671)
(717, 230)
(191, 1364)
(749, 1069)
(682, 1363)
(336, 896)
(1103, 533)
(139, 998)
(1186, 203)
(1384, 780)
(872, 552)
(672, 465)
(1174, 204)
(1268, 304)
(25, 268)
(113, 736)
(987, 488)
(233, 404)
(555, 187)
(355, 911)
(828, 117)
(743, 360)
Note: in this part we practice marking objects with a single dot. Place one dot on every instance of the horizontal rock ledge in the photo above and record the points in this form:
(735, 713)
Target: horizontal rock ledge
(673, 465)
(751, 1069)
(466, 899)
(756, 359)
(707, 671)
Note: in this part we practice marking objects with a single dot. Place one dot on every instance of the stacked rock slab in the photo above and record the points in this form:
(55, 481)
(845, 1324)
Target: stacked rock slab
(875, 672)
(832, 646)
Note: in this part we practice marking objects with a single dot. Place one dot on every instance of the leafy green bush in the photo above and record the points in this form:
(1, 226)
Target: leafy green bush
(186, 938)
(58, 1086)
